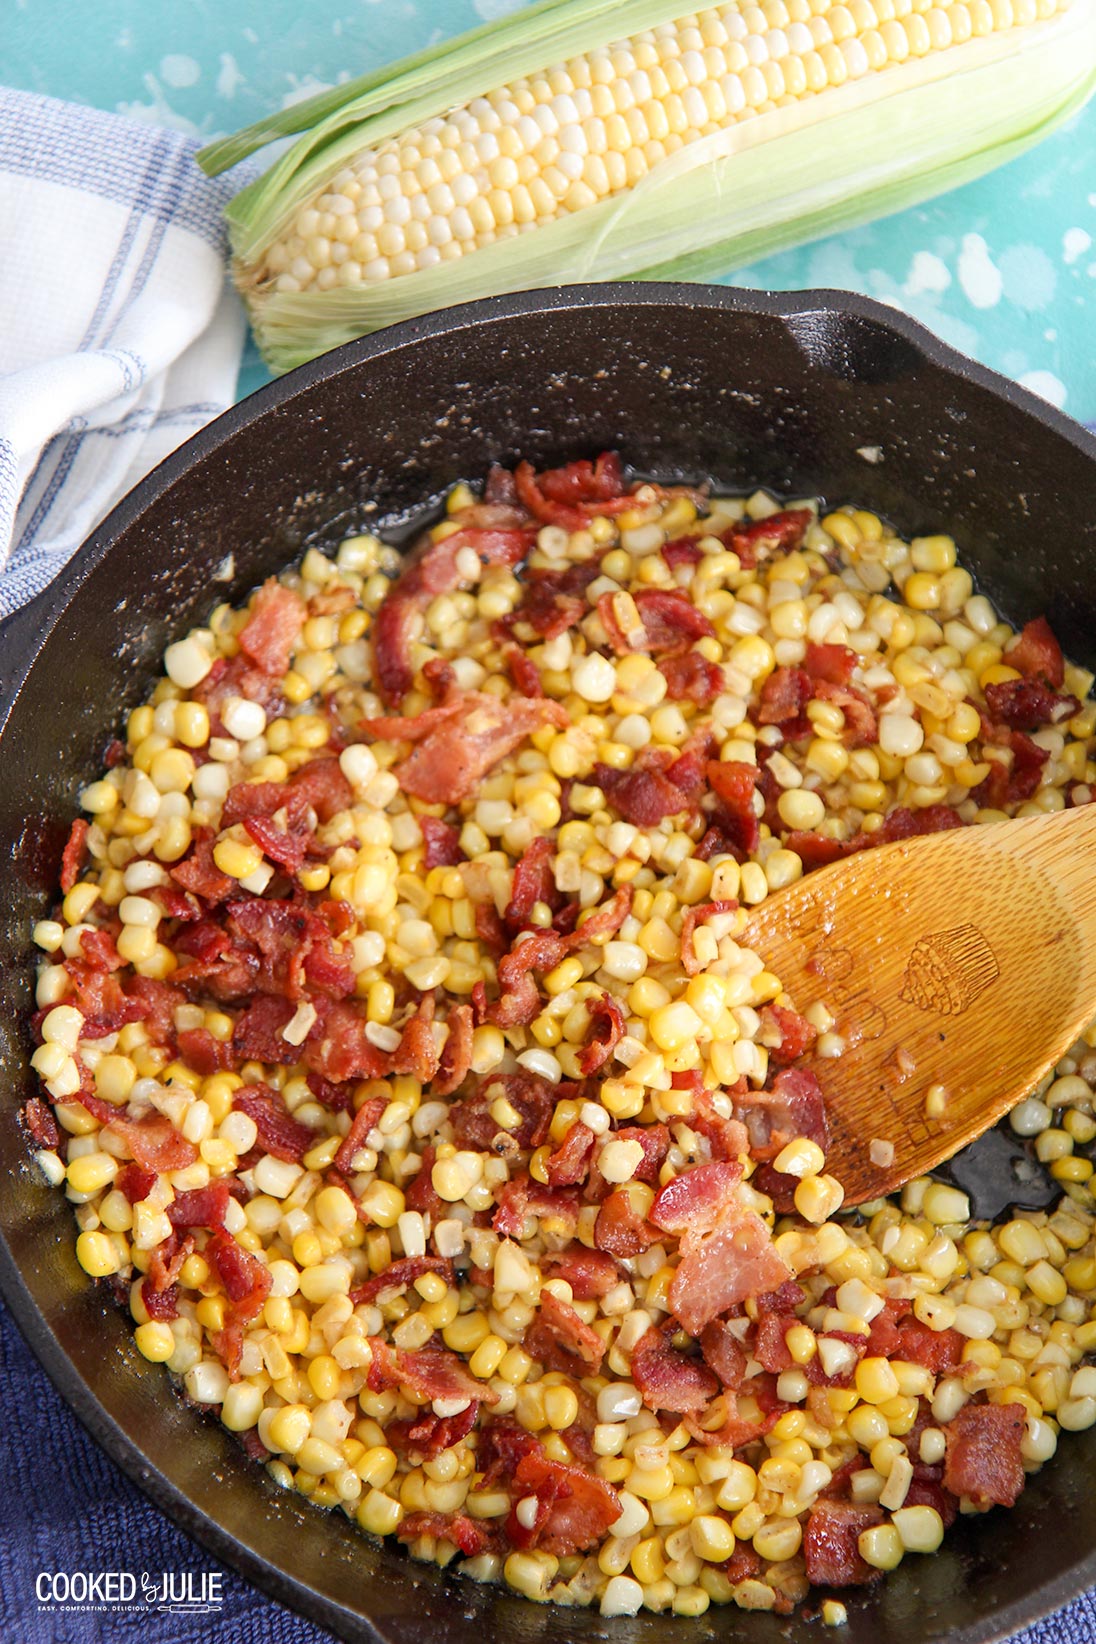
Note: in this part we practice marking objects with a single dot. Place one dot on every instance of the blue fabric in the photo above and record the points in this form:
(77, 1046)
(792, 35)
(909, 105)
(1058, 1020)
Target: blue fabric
(45, 1524)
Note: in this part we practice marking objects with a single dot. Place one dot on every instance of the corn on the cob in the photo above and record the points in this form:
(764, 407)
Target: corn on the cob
(622, 134)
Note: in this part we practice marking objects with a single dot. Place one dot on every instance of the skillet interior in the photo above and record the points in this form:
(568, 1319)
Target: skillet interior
(687, 382)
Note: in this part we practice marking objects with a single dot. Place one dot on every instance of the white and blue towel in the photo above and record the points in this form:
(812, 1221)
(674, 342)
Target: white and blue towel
(119, 336)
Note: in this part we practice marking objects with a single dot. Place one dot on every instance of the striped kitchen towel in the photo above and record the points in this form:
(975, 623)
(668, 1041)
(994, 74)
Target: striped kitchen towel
(119, 336)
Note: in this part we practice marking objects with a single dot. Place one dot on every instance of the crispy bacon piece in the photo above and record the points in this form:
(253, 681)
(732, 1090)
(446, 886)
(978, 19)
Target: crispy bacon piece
(100, 952)
(793, 1107)
(796, 1034)
(237, 676)
(73, 854)
(246, 1282)
(655, 1142)
(590, 1273)
(734, 826)
(727, 1253)
(690, 677)
(830, 1544)
(39, 1120)
(620, 1229)
(199, 873)
(696, 1197)
(519, 1000)
(770, 1342)
(937, 1350)
(569, 1164)
(983, 1458)
(533, 882)
(257, 1035)
(816, 850)
(165, 1263)
(657, 785)
(907, 824)
(1037, 654)
(784, 697)
(459, 741)
(270, 632)
(834, 663)
(607, 1025)
(552, 601)
(400, 1274)
(560, 1340)
(279, 1133)
(861, 724)
(431, 1372)
(758, 539)
(574, 1507)
(1011, 784)
(441, 842)
(572, 495)
(365, 1118)
(152, 1139)
(469, 1535)
(669, 1380)
(522, 1196)
(343, 1050)
(319, 786)
(723, 1352)
(732, 1428)
(669, 622)
(523, 671)
(682, 551)
(135, 1181)
(1027, 704)
(202, 1052)
(500, 1445)
(160, 1305)
(532, 1098)
(429, 570)
(456, 1053)
(692, 917)
(201, 1206)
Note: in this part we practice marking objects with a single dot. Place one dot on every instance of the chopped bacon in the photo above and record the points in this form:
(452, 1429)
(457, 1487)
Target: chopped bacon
(784, 697)
(668, 622)
(419, 1194)
(699, 915)
(276, 618)
(607, 1027)
(731, 1428)
(552, 601)
(202, 1052)
(937, 1350)
(753, 540)
(575, 1507)
(429, 570)
(648, 790)
(620, 1229)
(770, 1345)
(796, 1034)
(73, 854)
(861, 724)
(456, 1053)
(833, 663)
(682, 551)
(365, 1118)
(1026, 704)
(135, 1181)
(669, 1380)
(519, 1001)
(152, 1139)
(560, 1340)
(723, 1352)
(831, 1543)
(793, 1107)
(199, 873)
(522, 1196)
(177, 904)
(569, 1164)
(727, 1138)
(238, 677)
(166, 1262)
(572, 495)
(727, 1253)
(257, 1035)
(457, 743)
(431, 1372)
(907, 824)
(1037, 654)
(500, 1446)
(533, 882)
(930, 1492)
(469, 1535)
(400, 1274)
(39, 1120)
(690, 677)
(742, 1565)
(100, 952)
(246, 1282)
(816, 850)
(655, 1142)
(442, 843)
(604, 920)
(532, 1097)
(696, 1198)
(279, 1133)
(984, 1460)
(1011, 784)
(523, 671)
(343, 1050)
(160, 1305)
(201, 1206)
(590, 1273)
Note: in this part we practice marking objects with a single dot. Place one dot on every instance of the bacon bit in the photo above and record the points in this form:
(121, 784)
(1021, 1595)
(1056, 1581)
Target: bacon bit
(646, 792)
(166, 1262)
(202, 1052)
(793, 1107)
(39, 1120)
(367, 1116)
(161, 1305)
(523, 671)
(1037, 654)
(695, 1198)
(400, 1274)
(742, 1565)
(669, 622)
(442, 843)
(693, 917)
(499, 1448)
(690, 677)
(152, 1139)
(135, 1182)
(469, 1535)
(937, 1350)
(246, 1282)
(655, 1142)
(1012, 783)
(201, 1207)
(727, 1254)
(572, 495)
(257, 1035)
(419, 1194)
(930, 1492)
(620, 1230)
(830, 1544)
(279, 1133)
(533, 882)
(569, 1164)
(861, 724)
(833, 663)
(907, 824)
(604, 920)
(456, 1053)
(99, 951)
(735, 1430)
(458, 742)
(429, 570)
(761, 538)
(552, 602)
(796, 1034)
(177, 904)
(770, 1345)
(784, 697)
(607, 1028)
(983, 1460)
(590, 1273)
(532, 1098)
(669, 1380)
(1026, 704)
(199, 873)
(815, 850)
(723, 1353)
(522, 1196)
(575, 1507)
(270, 632)
(342, 1051)
(682, 551)
(73, 854)
(560, 1340)
(431, 1372)
(519, 1001)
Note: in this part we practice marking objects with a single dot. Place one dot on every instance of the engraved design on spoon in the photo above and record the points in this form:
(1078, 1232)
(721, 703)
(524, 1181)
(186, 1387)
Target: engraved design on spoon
(948, 970)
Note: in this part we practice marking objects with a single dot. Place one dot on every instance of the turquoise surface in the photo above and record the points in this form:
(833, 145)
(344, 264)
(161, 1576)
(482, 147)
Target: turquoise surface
(1004, 269)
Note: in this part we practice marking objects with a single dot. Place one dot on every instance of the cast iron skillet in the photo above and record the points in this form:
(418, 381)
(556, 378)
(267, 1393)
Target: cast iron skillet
(819, 392)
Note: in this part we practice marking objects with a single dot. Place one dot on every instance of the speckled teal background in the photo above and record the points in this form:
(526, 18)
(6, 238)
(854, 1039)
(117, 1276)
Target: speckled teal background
(1004, 269)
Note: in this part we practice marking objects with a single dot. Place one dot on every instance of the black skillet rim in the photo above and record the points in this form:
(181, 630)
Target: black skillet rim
(22, 636)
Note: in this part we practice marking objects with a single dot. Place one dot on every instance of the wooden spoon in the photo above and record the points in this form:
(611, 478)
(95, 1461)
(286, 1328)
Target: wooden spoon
(964, 960)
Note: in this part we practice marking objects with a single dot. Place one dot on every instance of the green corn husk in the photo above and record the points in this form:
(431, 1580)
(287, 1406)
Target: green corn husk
(823, 163)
